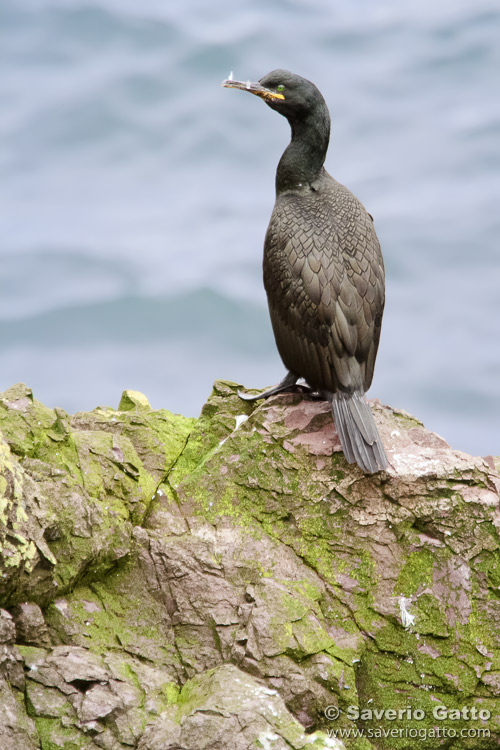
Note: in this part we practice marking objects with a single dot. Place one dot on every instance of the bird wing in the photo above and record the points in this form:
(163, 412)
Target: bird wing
(324, 278)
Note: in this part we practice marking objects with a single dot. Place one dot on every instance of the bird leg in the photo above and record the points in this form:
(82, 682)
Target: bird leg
(288, 383)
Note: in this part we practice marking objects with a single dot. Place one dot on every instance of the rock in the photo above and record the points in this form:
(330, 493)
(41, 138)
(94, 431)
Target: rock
(99, 701)
(79, 484)
(226, 708)
(30, 624)
(132, 400)
(7, 627)
(17, 729)
(232, 582)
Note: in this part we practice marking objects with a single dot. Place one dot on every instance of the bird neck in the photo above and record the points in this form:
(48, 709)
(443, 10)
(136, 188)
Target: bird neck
(303, 159)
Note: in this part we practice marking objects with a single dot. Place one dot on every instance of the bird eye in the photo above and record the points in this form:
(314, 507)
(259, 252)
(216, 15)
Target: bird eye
(280, 87)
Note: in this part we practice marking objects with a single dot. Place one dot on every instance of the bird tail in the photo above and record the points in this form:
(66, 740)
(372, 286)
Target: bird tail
(358, 432)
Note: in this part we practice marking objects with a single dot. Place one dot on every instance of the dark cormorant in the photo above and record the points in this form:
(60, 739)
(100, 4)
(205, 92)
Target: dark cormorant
(323, 271)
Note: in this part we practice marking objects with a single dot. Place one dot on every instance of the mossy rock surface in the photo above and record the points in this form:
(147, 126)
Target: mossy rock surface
(232, 582)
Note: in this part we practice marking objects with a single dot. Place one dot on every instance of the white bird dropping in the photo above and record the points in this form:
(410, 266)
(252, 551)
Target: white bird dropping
(407, 620)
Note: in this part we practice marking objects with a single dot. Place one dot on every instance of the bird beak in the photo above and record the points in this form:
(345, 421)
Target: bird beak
(253, 88)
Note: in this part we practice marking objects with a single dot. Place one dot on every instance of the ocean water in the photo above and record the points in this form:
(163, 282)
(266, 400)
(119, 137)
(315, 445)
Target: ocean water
(135, 194)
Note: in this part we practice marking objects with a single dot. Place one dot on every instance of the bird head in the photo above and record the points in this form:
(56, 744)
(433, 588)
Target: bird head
(291, 95)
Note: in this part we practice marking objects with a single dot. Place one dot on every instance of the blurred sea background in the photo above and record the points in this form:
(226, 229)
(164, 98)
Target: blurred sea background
(135, 194)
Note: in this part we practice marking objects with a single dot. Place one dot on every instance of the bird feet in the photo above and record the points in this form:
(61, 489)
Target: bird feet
(288, 384)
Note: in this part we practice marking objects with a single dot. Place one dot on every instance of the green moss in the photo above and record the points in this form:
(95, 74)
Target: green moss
(430, 617)
(31, 654)
(216, 424)
(171, 692)
(364, 570)
(394, 638)
(24, 421)
(11, 488)
(455, 674)
(311, 637)
(388, 681)
(115, 613)
(480, 633)
(53, 736)
(416, 572)
(342, 630)
(308, 589)
(489, 564)
(132, 400)
(406, 420)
